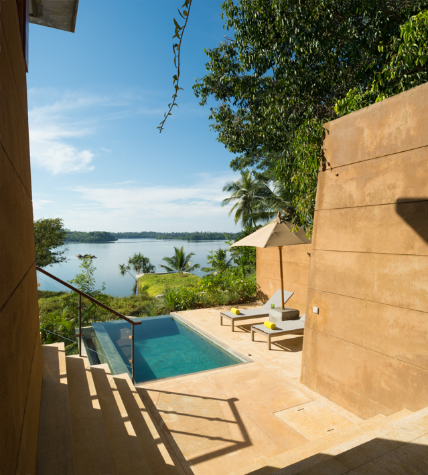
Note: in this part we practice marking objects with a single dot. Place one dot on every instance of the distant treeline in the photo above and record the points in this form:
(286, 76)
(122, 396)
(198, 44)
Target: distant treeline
(196, 236)
(94, 236)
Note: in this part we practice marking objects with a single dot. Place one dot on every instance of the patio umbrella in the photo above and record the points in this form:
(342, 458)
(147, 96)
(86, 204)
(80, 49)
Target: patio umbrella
(275, 234)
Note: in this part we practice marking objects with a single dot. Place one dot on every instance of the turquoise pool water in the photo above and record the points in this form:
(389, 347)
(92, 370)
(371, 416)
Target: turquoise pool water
(164, 347)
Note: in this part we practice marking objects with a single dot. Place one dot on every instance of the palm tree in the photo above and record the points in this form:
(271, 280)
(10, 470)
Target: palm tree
(179, 261)
(140, 264)
(280, 200)
(218, 260)
(249, 194)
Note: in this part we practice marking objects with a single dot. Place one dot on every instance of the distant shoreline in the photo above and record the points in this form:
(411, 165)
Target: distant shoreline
(97, 237)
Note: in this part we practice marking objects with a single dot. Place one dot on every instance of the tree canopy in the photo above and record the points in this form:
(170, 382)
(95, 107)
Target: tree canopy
(93, 236)
(281, 74)
(49, 235)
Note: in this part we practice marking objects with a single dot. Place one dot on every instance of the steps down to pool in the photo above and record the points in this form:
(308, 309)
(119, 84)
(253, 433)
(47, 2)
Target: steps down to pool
(395, 444)
(95, 423)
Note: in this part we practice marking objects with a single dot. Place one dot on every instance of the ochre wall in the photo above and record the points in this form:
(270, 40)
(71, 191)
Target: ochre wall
(367, 350)
(295, 265)
(20, 350)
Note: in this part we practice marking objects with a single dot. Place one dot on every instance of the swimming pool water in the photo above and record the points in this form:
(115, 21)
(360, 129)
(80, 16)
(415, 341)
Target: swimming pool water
(164, 347)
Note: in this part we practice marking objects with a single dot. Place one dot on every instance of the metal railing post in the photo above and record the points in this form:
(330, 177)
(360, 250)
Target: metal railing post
(80, 325)
(132, 355)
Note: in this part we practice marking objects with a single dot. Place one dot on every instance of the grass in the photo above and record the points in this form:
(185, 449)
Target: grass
(157, 284)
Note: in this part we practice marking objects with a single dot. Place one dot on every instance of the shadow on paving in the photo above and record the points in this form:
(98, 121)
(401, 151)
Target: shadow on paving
(234, 443)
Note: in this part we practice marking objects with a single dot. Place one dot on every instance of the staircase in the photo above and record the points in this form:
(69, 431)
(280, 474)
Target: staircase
(395, 444)
(94, 423)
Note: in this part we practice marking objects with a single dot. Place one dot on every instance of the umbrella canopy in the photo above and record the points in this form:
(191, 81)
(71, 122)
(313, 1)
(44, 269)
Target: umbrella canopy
(276, 234)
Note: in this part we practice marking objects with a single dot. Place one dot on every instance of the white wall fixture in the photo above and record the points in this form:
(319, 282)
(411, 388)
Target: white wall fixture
(316, 310)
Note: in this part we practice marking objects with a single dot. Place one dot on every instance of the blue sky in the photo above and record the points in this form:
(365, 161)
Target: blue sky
(95, 98)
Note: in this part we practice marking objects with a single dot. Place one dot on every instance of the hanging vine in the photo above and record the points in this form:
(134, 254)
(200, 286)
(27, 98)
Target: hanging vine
(179, 32)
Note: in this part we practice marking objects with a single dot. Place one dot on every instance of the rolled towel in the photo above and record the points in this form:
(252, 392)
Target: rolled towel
(235, 311)
(270, 325)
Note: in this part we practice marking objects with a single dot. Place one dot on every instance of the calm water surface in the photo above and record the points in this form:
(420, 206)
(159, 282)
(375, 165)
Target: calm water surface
(110, 255)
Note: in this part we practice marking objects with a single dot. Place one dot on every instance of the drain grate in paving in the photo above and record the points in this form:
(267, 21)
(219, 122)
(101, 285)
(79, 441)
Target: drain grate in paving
(313, 420)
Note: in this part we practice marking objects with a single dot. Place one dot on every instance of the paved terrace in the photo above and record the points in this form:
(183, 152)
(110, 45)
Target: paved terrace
(226, 419)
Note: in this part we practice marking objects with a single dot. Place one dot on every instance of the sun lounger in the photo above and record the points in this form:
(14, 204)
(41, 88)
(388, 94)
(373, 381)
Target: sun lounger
(256, 312)
(287, 326)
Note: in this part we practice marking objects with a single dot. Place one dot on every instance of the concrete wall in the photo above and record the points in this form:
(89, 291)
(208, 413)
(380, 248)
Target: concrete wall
(367, 350)
(295, 263)
(20, 350)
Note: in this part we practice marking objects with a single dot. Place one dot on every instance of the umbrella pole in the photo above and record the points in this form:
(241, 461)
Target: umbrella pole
(282, 276)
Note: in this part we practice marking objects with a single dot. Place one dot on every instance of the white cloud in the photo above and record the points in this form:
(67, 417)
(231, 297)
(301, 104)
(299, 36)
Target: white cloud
(52, 128)
(160, 208)
(38, 204)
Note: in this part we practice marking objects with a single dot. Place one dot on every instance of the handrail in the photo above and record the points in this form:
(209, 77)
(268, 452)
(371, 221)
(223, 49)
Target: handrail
(105, 307)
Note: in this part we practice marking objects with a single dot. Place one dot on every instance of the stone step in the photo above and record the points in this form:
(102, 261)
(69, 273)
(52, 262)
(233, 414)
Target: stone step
(370, 426)
(302, 452)
(379, 449)
(92, 451)
(313, 453)
(126, 450)
(55, 450)
(155, 452)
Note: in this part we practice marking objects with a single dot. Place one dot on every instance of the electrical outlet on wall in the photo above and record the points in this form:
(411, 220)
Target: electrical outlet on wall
(316, 310)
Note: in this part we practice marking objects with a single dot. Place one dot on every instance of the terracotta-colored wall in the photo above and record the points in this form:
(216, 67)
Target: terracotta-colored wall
(367, 350)
(295, 264)
(20, 350)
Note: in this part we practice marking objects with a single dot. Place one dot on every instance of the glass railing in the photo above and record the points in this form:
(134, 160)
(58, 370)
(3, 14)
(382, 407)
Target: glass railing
(74, 323)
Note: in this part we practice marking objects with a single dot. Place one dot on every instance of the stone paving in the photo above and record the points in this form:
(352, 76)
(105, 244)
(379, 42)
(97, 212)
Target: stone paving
(223, 420)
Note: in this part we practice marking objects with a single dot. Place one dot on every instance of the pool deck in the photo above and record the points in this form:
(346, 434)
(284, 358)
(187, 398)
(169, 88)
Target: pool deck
(226, 419)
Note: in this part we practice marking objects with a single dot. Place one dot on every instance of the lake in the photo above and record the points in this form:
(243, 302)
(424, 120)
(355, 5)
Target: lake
(111, 254)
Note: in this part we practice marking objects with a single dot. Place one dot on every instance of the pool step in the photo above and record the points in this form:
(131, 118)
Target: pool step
(55, 450)
(92, 451)
(126, 450)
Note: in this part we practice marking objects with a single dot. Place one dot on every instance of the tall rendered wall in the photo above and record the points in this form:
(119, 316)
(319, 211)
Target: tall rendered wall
(295, 264)
(20, 350)
(367, 349)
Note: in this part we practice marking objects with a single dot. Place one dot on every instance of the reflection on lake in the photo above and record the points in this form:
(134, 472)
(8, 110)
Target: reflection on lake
(110, 255)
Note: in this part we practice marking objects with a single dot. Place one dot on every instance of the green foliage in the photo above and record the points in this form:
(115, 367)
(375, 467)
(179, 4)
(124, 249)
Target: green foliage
(276, 82)
(227, 288)
(297, 178)
(218, 261)
(157, 284)
(58, 312)
(406, 67)
(179, 261)
(49, 234)
(244, 256)
(195, 236)
(85, 281)
(91, 237)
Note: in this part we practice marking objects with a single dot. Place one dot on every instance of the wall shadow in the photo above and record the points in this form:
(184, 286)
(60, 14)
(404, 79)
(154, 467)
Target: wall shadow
(415, 214)
(380, 455)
